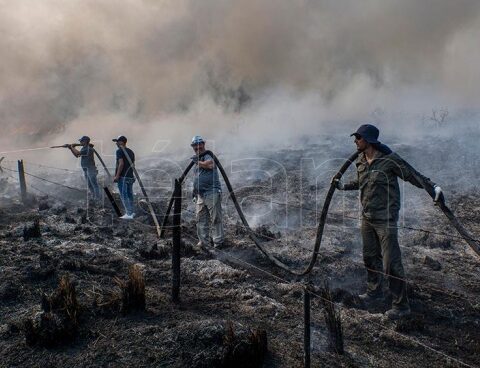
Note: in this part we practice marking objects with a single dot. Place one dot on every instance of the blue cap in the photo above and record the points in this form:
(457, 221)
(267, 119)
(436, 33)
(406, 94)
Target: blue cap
(84, 138)
(368, 132)
(197, 140)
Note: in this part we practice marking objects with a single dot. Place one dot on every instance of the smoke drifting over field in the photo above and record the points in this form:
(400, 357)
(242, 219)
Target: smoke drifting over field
(166, 70)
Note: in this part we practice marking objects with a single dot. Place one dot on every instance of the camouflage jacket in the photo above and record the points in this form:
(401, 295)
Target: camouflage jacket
(378, 185)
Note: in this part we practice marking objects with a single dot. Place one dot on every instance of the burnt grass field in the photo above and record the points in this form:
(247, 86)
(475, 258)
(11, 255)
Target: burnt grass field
(73, 278)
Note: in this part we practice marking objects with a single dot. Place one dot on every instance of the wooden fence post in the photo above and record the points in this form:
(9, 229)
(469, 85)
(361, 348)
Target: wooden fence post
(306, 319)
(177, 235)
(21, 179)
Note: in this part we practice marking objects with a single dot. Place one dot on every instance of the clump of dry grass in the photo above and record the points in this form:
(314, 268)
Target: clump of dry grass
(243, 352)
(58, 321)
(133, 291)
(333, 321)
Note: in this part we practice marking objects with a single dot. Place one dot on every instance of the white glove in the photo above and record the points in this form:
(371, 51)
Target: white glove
(438, 192)
(338, 183)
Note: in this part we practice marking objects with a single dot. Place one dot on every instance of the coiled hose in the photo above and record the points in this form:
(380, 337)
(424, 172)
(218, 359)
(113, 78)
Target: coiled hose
(251, 233)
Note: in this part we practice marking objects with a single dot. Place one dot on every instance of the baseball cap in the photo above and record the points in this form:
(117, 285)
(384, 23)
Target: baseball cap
(120, 138)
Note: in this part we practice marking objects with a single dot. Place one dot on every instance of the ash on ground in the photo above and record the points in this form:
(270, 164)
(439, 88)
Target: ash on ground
(232, 313)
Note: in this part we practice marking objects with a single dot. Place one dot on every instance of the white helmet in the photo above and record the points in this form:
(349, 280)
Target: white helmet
(197, 140)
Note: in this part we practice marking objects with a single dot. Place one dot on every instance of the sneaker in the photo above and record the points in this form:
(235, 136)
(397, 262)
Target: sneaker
(126, 217)
(370, 298)
(397, 313)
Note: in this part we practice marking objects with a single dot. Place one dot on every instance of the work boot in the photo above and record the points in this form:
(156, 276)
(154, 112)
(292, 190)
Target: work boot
(371, 297)
(398, 313)
(219, 246)
(199, 247)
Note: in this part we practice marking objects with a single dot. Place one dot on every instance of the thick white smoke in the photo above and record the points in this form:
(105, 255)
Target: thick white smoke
(265, 70)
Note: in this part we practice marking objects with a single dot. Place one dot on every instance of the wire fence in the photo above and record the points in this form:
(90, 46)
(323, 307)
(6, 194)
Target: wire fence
(346, 311)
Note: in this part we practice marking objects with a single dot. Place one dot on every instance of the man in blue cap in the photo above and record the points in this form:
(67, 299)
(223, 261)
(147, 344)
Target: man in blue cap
(377, 171)
(208, 196)
(87, 162)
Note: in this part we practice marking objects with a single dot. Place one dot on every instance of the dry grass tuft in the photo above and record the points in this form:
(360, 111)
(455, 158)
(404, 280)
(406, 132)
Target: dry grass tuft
(133, 291)
(243, 352)
(58, 322)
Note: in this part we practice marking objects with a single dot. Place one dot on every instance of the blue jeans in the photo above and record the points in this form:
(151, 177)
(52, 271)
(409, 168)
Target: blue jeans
(125, 187)
(91, 179)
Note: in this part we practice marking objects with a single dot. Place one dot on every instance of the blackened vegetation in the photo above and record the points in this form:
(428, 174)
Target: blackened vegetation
(58, 322)
(243, 352)
(133, 291)
(155, 251)
(32, 231)
(333, 320)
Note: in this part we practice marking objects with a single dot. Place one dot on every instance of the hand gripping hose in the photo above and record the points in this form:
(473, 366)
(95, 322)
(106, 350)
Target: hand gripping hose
(474, 244)
(274, 260)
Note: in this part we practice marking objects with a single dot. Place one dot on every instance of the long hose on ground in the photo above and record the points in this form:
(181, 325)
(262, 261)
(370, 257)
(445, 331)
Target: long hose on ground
(251, 233)
(323, 217)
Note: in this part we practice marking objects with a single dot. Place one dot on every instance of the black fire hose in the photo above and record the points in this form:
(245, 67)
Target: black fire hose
(474, 244)
(172, 199)
(251, 233)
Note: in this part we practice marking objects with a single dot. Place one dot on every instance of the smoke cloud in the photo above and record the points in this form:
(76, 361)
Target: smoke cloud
(167, 70)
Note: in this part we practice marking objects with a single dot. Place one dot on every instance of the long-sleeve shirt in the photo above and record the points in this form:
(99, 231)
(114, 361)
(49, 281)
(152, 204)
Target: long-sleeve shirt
(378, 184)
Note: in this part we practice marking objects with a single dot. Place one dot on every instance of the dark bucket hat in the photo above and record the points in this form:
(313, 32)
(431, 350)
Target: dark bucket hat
(368, 132)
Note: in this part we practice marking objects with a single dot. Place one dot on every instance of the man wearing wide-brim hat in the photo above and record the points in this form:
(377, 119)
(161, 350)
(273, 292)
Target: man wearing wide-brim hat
(377, 171)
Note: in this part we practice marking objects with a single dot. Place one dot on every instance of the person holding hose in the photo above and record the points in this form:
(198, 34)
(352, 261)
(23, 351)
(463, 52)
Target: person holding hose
(207, 194)
(87, 162)
(377, 171)
(124, 176)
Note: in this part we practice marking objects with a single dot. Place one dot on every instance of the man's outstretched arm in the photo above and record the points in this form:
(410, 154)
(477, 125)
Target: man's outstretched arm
(407, 173)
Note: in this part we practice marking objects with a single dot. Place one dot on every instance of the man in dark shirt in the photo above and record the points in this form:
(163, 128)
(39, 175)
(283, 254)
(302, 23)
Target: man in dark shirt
(124, 176)
(87, 162)
(377, 171)
(208, 195)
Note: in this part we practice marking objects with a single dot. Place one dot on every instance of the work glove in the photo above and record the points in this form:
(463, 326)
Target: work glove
(194, 158)
(439, 198)
(338, 183)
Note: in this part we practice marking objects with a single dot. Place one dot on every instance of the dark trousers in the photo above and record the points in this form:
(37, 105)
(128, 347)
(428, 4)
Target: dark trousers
(382, 255)
(91, 179)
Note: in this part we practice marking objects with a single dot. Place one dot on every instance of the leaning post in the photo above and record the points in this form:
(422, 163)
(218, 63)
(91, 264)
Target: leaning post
(177, 235)
(23, 183)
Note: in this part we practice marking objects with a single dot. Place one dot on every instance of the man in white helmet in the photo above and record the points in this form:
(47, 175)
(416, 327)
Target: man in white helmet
(208, 193)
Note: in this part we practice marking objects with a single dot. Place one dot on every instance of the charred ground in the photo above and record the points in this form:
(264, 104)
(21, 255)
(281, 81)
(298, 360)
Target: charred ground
(229, 297)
